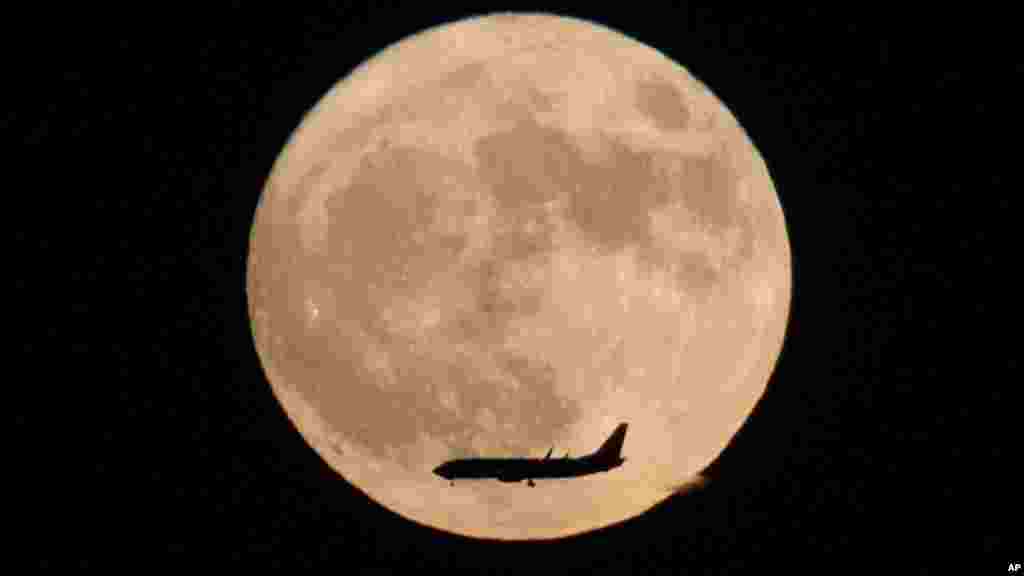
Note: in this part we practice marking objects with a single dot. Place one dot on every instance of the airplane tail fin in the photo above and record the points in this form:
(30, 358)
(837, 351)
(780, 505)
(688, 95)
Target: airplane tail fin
(611, 450)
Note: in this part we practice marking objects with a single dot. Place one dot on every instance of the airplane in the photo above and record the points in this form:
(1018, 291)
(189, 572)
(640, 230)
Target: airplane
(605, 458)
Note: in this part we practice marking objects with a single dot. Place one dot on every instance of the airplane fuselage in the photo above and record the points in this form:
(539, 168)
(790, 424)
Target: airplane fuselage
(607, 457)
(518, 469)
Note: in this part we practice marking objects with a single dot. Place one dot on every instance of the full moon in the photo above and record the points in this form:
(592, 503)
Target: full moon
(511, 233)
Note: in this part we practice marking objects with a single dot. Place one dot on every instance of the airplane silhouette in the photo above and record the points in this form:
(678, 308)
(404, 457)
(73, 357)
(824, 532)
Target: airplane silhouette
(605, 458)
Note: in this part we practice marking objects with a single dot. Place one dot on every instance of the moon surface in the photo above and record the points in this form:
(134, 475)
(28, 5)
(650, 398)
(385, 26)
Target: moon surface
(511, 233)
